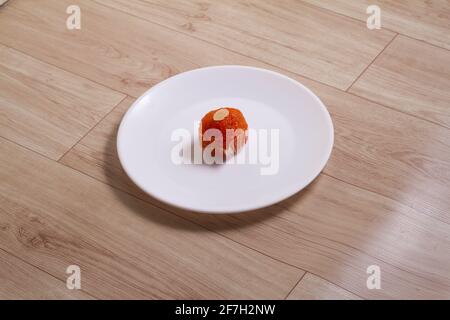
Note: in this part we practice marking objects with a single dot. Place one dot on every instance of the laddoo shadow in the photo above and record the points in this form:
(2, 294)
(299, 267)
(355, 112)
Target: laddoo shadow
(123, 187)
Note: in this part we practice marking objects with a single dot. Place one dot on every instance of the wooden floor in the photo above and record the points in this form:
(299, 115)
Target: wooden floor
(383, 199)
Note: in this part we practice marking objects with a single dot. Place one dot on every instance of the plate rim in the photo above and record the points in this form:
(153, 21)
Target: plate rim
(298, 187)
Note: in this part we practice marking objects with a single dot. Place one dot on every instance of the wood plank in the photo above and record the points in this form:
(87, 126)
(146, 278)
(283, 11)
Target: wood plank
(427, 20)
(401, 157)
(337, 231)
(104, 51)
(334, 229)
(312, 287)
(288, 34)
(125, 247)
(118, 50)
(410, 76)
(19, 280)
(96, 154)
(45, 108)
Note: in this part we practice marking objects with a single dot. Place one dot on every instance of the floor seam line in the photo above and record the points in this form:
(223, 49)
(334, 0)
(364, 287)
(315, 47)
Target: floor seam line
(372, 62)
(295, 285)
(383, 28)
(384, 196)
(397, 110)
(321, 277)
(64, 69)
(92, 128)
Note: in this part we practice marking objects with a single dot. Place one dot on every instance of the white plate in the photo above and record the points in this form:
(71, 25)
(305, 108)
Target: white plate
(268, 101)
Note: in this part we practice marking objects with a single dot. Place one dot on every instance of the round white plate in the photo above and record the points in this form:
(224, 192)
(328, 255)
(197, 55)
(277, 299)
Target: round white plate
(269, 101)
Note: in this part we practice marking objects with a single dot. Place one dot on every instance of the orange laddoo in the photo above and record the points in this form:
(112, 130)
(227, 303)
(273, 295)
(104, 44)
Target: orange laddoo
(224, 119)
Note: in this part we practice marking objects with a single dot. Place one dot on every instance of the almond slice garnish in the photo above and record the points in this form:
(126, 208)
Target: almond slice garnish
(220, 114)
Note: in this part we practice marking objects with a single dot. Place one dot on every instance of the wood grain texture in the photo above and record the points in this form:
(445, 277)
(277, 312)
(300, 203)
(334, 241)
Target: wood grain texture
(287, 34)
(112, 48)
(19, 280)
(104, 51)
(312, 287)
(96, 154)
(383, 198)
(45, 108)
(124, 247)
(412, 77)
(334, 229)
(427, 20)
(399, 156)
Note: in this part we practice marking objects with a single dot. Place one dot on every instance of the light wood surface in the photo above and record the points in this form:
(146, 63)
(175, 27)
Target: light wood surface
(334, 50)
(45, 108)
(312, 287)
(423, 20)
(286, 34)
(383, 198)
(124, 247)
(104, 50)
(20, 280)
(412, 77)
